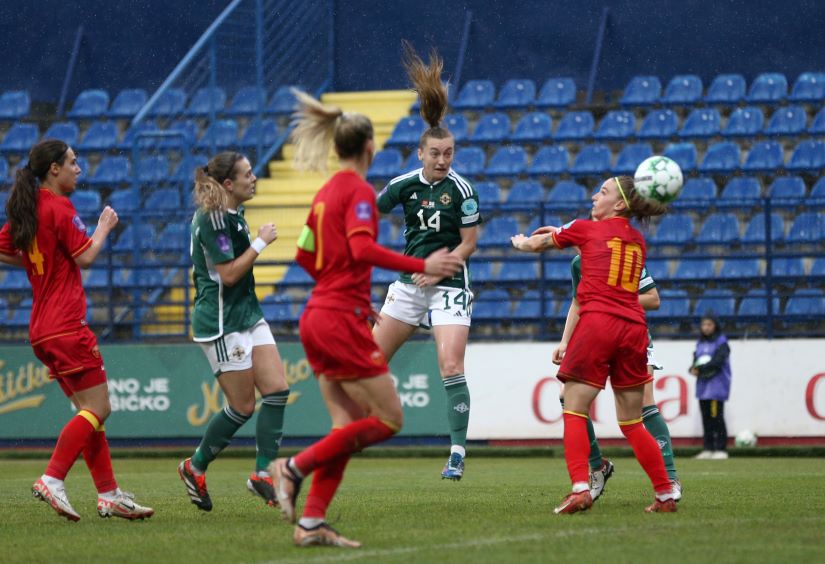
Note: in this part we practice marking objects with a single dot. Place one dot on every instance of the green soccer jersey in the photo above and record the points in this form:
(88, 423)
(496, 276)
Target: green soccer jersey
(434, 215)
(219, 237)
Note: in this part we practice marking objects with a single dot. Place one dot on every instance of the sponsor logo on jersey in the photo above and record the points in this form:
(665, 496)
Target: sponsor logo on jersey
(222, 241)
(363, 210)
(445, 199)
(413, 197)
(427, 204)
(78, 223)
(469, 207)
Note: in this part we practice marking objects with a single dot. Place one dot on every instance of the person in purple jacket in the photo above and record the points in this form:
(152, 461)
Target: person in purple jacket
(711, 366)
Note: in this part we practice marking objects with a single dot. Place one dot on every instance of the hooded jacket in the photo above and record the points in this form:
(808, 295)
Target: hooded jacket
(712, 359)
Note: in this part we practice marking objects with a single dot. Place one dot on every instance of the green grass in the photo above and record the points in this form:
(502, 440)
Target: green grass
(740, 510)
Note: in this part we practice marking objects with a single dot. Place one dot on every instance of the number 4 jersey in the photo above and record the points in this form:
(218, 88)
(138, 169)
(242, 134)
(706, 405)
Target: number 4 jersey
(434, 215)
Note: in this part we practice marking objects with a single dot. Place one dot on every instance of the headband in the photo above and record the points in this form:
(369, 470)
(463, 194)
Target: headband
(621, 191)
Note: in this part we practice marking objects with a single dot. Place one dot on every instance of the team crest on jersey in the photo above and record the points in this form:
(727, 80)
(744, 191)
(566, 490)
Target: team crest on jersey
(78, 223)
(445, 199)
(363, 210)
(222, 241)
(469, 207)
(566, 225)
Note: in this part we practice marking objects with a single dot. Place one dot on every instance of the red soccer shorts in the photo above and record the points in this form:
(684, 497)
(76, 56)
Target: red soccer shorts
(339, 344)
(73, 359)
(604, 345)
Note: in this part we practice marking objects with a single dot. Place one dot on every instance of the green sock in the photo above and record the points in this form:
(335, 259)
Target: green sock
(458, 408)
(656, 426)
(269, 429)
(595, 460)
(222, 427)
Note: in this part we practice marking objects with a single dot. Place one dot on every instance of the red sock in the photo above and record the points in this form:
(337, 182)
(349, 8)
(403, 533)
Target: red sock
(648, 454)
(576, 446)
(355, 437)
(325, 481)
(72, 440)
(99, 460)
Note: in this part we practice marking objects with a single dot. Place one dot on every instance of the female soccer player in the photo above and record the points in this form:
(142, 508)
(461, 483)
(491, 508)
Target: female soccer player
(440, 210)
(45, 235)
(610, 339)
(228, 323)
(337, 248)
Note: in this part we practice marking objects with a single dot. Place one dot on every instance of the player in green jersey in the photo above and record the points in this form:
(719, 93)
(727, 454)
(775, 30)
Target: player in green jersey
(440, 210)
(228, 323)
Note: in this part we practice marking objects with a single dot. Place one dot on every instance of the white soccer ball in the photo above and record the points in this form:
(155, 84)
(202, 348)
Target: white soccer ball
(745, 439)
(659, 178)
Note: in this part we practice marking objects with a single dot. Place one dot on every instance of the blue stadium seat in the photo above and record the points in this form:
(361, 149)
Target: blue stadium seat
(124, 201)
(414, 163)
(220, 134)
(517, 93)
(507, 161)
(567, 194)
(641, 91)
(767, 88)
(386, 232)
(66, 131)
(549, 161)
(755, 304)
(809, 87)
(683, 89)
(808, 227)
(170, 103)
(247, 101)
(617, 124)
(90, 104)
(806, 302)
(719, 228)
(659, 124)
(14, 105)
(489, 193)
(818, 268)
(265, 130)
(127, 103)
(86, 202)
(674, 229)
(207, 100)
(153, 169)
(20, 316)
(277, 308)
(755, 230)
(818, 124)
(386, 164)
(185, 171)
(592, 159)
(131, 134)
(188, 130)
(764, 156)
(126, 241)
(84, 170)
(96, 279)
(15, 280)
(817, 195)
(740, 268)
(541, 220)
(469, 161)
(174, 237)
(631, 156)
(481, 271)
(381, 276)
(525, 192)
(722, 158)
(407, 132)
(675, 304)
(738, 189)
(557, 93)
(574, 126)
(787, 121)
(111, 171)
(533, 127)
(557, 269)
(788, 267)
(20, 138)
(726, 89)
(716, 301)
(518, 272)
(4, 174)
(787, 191)
(492, 305)
(529, 306)
(683, 153)
(498, 231)
(745, 122)
(458, 126)
(491, 128)
(101, 136)
(475, 95)
(701, 122)
(809, 156)
(698, 268)
(283, 101)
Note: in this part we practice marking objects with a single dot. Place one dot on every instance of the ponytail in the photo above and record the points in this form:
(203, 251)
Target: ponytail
(432, 93)
(209, 193)
(637, 206)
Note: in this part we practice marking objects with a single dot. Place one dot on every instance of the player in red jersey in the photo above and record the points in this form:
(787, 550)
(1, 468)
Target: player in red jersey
(337, 248)
(610, 339)
(45, 236)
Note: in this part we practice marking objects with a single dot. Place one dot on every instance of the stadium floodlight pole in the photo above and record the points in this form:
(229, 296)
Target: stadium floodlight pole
(597, 54)
(462, 52)
(69, 71)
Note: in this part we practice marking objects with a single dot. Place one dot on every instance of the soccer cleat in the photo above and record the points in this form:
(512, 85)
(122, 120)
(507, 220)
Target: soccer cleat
(704, 455)
(599, 478)
(286, 485)
(56, 498)
(667, 506)
(123, 506)
(574, 502)
(454, 469)
(719, 455)
(677, 490)
(263, 488)
(195, 485)
(322, 535)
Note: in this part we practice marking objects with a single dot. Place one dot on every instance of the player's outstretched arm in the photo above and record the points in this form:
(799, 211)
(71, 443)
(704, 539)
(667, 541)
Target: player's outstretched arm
(534, 243)
(13, 260)
(106, 222)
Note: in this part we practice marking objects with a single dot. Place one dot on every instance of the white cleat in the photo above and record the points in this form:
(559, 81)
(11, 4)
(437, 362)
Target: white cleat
(677, 490)
(56, 497)
(123, 506)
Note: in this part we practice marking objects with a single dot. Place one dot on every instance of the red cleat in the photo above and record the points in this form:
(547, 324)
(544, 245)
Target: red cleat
(667, 506)
(574, 502)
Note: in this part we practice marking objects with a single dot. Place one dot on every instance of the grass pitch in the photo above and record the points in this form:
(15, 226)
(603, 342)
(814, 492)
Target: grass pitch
(739, 510)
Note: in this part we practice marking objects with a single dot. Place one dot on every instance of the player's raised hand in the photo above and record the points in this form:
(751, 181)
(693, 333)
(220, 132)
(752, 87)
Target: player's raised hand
(268, 232)
(107, 220)
(442, 263)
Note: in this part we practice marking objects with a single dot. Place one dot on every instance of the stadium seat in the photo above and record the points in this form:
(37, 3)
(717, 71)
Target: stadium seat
(726, 89)
(592, 159)
(458, 126)
(525, 192)
(641, 91)
(206, 101)
(818, 268)
(674, 229)
(481, 271)
(702, 122)
(132, 133)
(20, 138)
(382, 276)
(817, 195)
(247, 101)
(407, 132)
(809, 87)
(15, 280)
(126, 241)
(755, 304)
(101, 136)
(125, 201)
(283, 101)
(541, 220)
(808, 227)
(111, 171)
(574, 126)
(745, 122)
(809, 156)
(717, 301)
(767, 88)
(84, 170)
(566, 194)
(491, 128)
(818, 124)
(386, 232)
(659, 124)
(469, 161)
(549, 161)
(489, 193)
(414, 163)
(740, 268)
(386, 164)
(764, 156)
(683, 153)
(617, 124)
(517, 93)
(528, 306)
(695, 269)
(557, 269)
(185, 171)
(787, 191)
(86, 202)
(755, 230)
(507, 161)
(277, 308)
(557, 93)
(518, 272)
(4, 172)
(187, 130)
(170, 103)
(533, 127)
(787, 267)
(14, 105)
(127, 103)
(220, 134)
(492, 305)
(498, 231)
(806, 302)
(90, 104)
(719, 228)
(21, 314)
(631, 156)
(721, 158)
(787, 121)
(265, 131)
(153, 169)
(739, 189)
(174, 237)
(674, 304)
(683, 89)
(475, 95)
(66, 131)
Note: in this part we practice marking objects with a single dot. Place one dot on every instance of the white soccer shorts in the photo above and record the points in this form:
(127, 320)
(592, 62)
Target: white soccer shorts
(651, 358)
(427, 307)
(233, 351)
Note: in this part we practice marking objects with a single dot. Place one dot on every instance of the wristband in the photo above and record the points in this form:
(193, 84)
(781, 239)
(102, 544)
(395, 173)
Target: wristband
(259, 245)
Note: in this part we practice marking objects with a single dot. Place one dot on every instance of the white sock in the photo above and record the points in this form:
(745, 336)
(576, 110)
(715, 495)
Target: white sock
(110, 495)
(52, 483)
(294, 468)
(310, 522)
(263, 474)
(459, 449)
(579, 487)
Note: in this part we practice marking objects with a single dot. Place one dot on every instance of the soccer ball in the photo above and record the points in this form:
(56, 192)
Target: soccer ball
(659, 178)
(745, 439)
